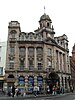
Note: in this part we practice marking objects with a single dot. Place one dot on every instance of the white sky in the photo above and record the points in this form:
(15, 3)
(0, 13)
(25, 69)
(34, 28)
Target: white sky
(28, 13)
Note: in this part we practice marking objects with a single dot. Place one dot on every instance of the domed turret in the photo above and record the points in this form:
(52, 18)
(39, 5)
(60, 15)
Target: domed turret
(45, 17)
(45, 21)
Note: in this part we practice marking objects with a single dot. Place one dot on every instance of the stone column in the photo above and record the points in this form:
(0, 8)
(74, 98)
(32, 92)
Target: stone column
(26, 84)
(35, 81)
(54, 58)
(17, 56)
(44, 57)
(62, 62)
(35, 59)
(26, 60)
(58, 61)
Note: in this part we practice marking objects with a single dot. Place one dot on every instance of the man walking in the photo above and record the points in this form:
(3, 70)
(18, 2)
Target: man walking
(13, 91)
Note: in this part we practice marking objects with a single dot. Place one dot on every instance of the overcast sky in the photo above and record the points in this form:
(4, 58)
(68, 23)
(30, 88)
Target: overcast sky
(28, 13)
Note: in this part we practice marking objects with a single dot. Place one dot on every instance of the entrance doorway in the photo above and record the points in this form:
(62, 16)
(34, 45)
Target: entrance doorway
(52, 80)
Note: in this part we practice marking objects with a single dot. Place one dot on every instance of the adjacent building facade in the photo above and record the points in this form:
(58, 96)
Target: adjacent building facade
(32, 57)
(2, 64)
(72, 64)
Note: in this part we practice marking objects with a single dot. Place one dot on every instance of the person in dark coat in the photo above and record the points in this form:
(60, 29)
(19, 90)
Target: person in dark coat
(13, 91)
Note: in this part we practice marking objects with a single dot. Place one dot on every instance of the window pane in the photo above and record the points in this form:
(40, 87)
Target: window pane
(1, 70)
(49, 52)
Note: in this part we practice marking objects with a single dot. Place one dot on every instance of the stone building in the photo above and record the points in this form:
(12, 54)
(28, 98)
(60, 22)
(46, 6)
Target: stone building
(33, 56)
(2, 63)
(72, 64)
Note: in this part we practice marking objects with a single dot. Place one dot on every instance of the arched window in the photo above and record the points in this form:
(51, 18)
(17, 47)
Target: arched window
(10, 76)
(21, 82)
(39, 80)
(13, 33)
(30, 83)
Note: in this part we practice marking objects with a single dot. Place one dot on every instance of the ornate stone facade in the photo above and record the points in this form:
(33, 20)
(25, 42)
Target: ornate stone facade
(32, 56)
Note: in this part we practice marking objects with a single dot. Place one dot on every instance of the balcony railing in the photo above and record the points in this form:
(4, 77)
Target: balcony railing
(12, 39)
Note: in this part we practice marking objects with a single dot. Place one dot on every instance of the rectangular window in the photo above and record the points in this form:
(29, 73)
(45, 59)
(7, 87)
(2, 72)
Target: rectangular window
(11, 64)
(49, 52)
(31, 65)
(39, 66)
(31, 51)
(12, 50)
(21, 65)
(39, 50)
(1, 70)
(22, 51)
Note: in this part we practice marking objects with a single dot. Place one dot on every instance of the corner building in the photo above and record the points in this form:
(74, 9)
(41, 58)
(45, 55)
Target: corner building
(32, 57)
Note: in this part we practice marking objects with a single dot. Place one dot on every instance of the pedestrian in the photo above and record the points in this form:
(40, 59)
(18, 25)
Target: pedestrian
(58, 89)
(35, 90)
(54, 90)
(62, 90)
(9, 91)
(16, 91)
(71, 88)
(48, 89)
(13, 91)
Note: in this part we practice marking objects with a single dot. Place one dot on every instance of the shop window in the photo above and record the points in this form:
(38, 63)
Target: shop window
(30, 83)
(39, 81)
(21, 82)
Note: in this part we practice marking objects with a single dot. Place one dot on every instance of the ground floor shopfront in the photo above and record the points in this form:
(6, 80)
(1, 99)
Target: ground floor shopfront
(29, 80)
(2, 78)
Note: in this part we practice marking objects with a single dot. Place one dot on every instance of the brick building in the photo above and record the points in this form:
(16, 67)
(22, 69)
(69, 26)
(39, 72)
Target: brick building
(72, 63)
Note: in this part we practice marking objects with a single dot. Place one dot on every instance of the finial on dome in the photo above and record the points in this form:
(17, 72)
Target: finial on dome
(52, 27)
(44, 9)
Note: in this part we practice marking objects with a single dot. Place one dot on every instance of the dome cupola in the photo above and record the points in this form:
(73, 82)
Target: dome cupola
(45, 17)
(45, 21)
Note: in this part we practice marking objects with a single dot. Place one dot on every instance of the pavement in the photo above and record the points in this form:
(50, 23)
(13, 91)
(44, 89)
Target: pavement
(4, 97)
